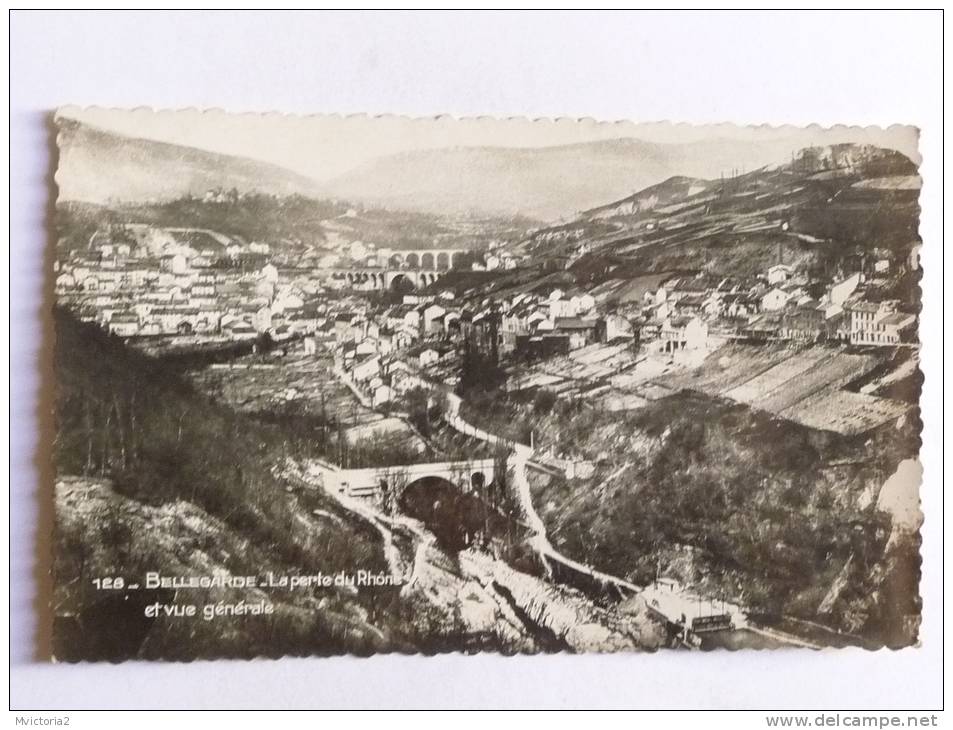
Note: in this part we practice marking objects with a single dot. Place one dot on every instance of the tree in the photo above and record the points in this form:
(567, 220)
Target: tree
(544, 401)
(418, 410)
(480, 372)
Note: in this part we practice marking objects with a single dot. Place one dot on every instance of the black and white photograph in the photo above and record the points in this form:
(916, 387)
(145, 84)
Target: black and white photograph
(358, 385)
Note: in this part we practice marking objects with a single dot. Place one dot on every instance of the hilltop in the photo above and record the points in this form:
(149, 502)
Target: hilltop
(100, 166)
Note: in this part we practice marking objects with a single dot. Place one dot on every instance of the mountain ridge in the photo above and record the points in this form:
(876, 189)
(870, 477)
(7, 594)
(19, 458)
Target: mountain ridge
(101, 166)
(547, 183)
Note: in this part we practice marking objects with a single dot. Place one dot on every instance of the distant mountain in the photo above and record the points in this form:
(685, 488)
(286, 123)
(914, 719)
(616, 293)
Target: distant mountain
(546, 183)
(100, 166)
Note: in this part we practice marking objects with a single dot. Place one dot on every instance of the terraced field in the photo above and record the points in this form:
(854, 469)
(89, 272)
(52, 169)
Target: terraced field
(845, 412)
(802, 385)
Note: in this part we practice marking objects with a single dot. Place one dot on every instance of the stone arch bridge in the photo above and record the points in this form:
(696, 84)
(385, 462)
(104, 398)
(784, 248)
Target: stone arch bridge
(371, 482)
(441, 259)
(378, 279)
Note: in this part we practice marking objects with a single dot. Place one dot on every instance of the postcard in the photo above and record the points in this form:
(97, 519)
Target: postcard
(338, 385)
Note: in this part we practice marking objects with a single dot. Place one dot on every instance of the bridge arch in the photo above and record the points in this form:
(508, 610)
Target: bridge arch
(458, 514)
(443, 261)
(413, 261)
(402, 283)
(427, 261)
(456, 259)
(396, 261)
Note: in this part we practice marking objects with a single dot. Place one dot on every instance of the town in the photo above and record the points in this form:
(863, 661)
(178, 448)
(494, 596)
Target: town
(213, 287)
(384, 312)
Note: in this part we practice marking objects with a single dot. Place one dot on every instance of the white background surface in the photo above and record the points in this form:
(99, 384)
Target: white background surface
(768, 68)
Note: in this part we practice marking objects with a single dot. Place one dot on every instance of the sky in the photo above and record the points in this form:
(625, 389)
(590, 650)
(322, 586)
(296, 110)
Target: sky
(323, 147)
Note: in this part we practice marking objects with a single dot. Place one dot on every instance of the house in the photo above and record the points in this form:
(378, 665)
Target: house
(367, 346)
(535, 347)
(650, 331)
(878, 324)
(582, 303)
(124, 324)
(175, 320)
(281, 333)
(381, 394)
(366, 369)
(427, 356)
(174, 263)
(581, 332)
(804, 323)
(560, 307)
(779, 274)
(683, 333)
(842, 289)
(268, 272)
(65, 282)
(239, 329)
(897, 327)
(263, 318)
(613, 327)
(304, 319)
(429, 317)
(775, 299)
(438, 325)
(862, 317)
(691, 304)
(763, 327)
(411, 318)
(342, 327)
(385, 342)
(404, 336)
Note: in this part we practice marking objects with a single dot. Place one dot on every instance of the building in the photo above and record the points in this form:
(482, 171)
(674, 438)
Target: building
(683, 333)
(842, 289)
(879, 324)
(427, 356)
(580, 332)
(366, 369)
(124, 324)
(779, 274)
(613, 327)
(775, 299)
(382, 393)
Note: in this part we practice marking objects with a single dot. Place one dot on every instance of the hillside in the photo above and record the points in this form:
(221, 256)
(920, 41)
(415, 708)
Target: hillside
(822, 206)
(100, 166)
(794, 522)
(153, 475)
(667, 192)
(290, 225)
